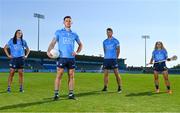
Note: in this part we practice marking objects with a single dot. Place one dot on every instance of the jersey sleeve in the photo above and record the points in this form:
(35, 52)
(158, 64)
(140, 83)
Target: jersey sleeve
(166, 54)
(57, 35)
(117, 44)
(9, 43)
(103, 45)
(153, 54)
(25, 44)
(77, 39)
(104, 49)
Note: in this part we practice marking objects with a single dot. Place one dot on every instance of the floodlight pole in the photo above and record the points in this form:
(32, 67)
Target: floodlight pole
(145, 37)
(38, 16)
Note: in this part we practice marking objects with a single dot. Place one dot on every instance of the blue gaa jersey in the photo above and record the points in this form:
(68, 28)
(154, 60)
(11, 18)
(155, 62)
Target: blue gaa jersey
(110, 46)
(159, 55)
(66, 41)
(17, 50)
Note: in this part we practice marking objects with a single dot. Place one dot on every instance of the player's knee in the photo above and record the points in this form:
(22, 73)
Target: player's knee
(156, 78)
(116, 74)
(155, 72)
(12, 71)
(166, 79)
(106, 75)
(20, 71)
(71, 76)
(118, 77)
(59, 77)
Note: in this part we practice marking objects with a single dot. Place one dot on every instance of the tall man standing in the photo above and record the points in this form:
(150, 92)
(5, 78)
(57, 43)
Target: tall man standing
(65, 39)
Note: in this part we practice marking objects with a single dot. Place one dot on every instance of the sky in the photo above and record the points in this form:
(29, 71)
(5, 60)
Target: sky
(129, 19)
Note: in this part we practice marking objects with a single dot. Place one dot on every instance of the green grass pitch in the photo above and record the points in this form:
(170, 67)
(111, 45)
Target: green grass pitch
(137, 96)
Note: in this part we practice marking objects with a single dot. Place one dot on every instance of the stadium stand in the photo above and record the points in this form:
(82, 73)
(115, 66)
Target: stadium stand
(39, 62)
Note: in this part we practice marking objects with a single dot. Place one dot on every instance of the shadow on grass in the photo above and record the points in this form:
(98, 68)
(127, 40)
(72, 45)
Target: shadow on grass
(3, 92)
(22, 105)
(88, 93)
(46, 100)
(148, 93)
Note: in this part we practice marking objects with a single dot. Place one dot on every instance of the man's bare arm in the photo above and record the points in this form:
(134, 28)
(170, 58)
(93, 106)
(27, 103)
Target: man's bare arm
(80, 45)
(51, 46)
(118, 51)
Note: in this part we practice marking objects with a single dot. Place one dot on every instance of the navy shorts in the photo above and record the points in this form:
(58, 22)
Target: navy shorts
(68, 63)
(17, 63)
(160, 67)
(110, 64)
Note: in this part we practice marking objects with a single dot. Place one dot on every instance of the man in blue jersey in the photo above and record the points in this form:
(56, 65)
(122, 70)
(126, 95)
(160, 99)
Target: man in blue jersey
(17, 46)
(111, 53)
(65, 39)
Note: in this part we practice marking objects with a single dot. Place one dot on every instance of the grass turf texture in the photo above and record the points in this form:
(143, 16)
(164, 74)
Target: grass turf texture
(137, 96)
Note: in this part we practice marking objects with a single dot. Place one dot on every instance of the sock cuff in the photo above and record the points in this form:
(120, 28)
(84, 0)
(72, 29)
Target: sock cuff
(71, 91)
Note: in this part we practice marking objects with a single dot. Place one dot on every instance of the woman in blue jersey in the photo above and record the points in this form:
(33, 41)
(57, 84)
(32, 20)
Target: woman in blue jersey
(17, 46)
(159, 56)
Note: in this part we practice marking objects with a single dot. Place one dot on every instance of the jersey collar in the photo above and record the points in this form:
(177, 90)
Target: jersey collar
(64, 29)
(110, 38)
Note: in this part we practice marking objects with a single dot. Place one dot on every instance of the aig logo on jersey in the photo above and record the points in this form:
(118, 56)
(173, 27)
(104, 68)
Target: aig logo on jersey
(159, 56)
(109, 46)
(16, 47)
(67, 40)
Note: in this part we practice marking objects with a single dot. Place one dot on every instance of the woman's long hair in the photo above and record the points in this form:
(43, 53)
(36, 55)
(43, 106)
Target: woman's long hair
(15, 38)
(162, 46)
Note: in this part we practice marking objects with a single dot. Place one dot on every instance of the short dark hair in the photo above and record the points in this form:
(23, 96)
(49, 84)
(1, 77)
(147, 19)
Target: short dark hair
(67, 17)
(109, 29)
